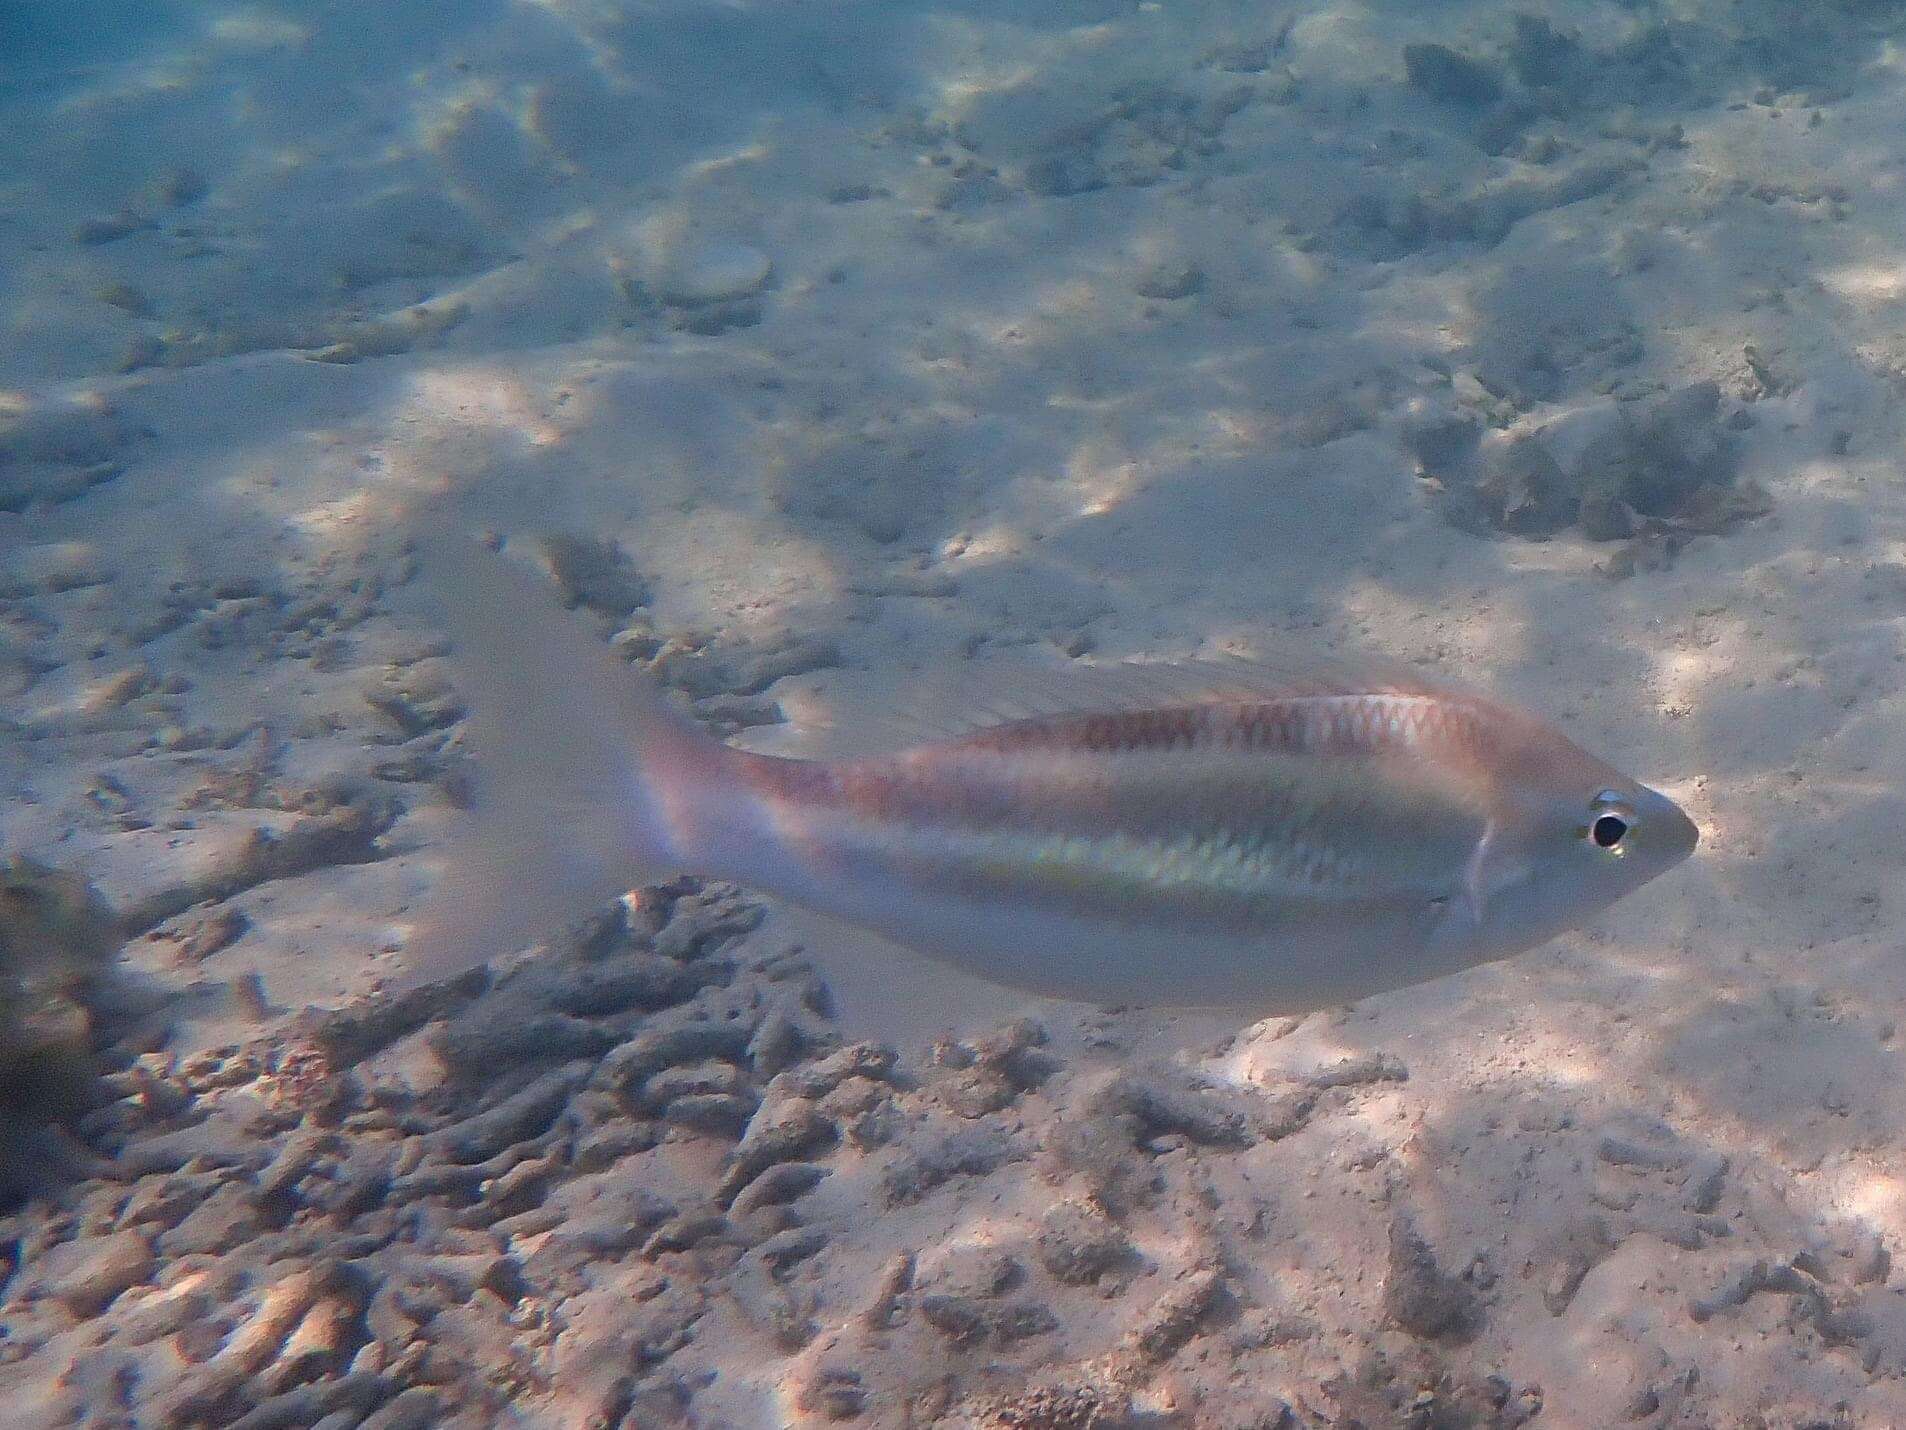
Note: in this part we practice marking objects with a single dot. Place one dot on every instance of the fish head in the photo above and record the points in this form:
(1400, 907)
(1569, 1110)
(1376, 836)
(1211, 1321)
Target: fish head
(1568, 836)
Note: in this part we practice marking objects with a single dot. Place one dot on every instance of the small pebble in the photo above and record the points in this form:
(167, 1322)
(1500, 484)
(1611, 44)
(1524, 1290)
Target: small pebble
(86, 1275)
(707, 271)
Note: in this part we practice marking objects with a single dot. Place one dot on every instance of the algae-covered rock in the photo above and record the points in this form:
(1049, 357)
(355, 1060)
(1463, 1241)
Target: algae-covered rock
(56, 937)
(54, 451)
(1450, 75)
(1656, 468)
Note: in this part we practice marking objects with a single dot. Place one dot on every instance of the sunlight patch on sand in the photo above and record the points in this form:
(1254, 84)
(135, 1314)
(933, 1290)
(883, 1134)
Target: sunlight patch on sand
(477, 398)
(1866, 282)
(966, 89)
(328, 523)
(753, 152)
(1890, 57)
(1101, 479)
(440, 115)
(989, 542)
(1873, 1196)
(1683, 677)
(256, 29)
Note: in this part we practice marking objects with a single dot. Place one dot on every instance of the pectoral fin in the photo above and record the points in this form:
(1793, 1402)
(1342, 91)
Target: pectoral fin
(1491, 869)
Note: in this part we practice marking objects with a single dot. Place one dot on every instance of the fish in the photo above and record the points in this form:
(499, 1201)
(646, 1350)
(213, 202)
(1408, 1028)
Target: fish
(1272, 835)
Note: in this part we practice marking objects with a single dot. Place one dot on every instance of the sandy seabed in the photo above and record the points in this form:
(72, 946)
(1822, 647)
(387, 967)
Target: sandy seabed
(1558, 348)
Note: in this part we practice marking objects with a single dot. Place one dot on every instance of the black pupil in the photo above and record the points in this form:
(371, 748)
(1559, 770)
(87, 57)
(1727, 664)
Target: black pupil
(1608, 830)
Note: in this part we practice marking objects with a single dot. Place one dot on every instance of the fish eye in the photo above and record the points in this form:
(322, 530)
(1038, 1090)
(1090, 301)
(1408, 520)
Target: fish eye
(1610, 820)
(1608, 831)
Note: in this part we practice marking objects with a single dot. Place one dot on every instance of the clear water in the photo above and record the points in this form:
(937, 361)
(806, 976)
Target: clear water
(1554, 348)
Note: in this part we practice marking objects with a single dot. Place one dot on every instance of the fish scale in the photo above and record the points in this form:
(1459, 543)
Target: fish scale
(1170, 810)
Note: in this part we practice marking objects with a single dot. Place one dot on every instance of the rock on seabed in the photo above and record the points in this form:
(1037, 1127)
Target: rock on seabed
(713, 271)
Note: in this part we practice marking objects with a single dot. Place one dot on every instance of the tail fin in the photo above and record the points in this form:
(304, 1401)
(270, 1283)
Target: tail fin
(586, 782)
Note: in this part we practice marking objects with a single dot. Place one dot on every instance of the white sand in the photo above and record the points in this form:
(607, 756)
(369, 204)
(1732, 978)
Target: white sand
(782, 298)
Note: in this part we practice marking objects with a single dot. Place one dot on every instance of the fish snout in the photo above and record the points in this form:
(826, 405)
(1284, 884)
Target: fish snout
(1671, 835)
